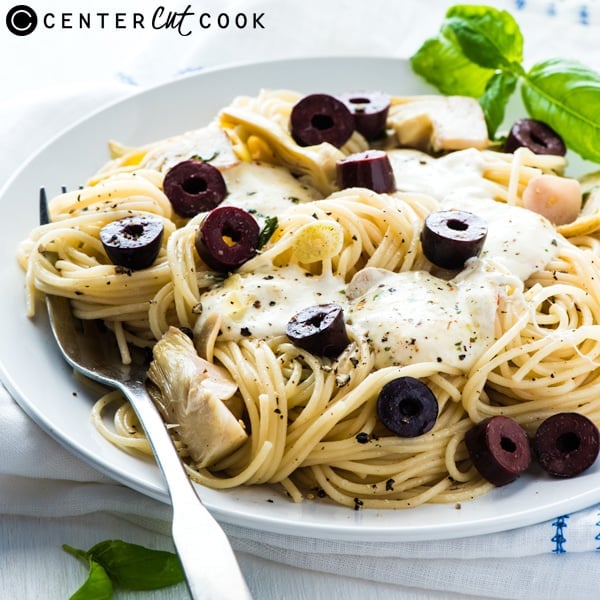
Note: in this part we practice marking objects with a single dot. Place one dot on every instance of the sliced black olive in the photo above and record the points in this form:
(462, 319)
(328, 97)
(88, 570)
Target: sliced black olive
(499, 449)
(535, 135)
(194, 186)
(407, 407)
(370, 169)
(318, 118)
(320, 329)
(133, 242)
(188, 331)
(227, 238)
(370, 111)
(566, 444)
(451, 237)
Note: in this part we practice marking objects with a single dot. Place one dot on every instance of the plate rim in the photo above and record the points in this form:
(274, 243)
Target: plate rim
(323, 530)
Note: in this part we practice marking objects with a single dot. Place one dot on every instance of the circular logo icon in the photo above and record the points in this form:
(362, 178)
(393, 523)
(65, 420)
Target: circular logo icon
(21, 20)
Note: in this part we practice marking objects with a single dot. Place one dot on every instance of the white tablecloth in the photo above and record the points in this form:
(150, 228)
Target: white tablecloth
(48, 497)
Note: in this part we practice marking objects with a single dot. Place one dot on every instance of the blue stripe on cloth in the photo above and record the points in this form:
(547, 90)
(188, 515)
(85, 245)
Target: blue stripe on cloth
(580, 13)
(559, 539)
(189, 70)
(126, 78)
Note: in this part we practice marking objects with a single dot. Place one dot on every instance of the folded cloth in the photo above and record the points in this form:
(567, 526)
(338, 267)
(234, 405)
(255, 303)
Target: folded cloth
(40, 479)
(46, 491)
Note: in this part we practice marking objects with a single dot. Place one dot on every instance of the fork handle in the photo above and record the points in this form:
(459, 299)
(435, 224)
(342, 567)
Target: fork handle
(208, 561)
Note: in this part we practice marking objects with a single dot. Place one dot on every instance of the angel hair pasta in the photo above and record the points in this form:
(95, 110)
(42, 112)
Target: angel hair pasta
(270, 371)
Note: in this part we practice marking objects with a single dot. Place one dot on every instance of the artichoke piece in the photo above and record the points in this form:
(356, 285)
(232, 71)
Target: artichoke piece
(209, 144)
(193, 392)
(438, 123)
(317, 164)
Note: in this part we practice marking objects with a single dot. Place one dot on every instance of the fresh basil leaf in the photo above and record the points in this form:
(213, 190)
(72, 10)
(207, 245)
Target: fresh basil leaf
(499, 89)
(267, 231)
(441, 63)
(479, 53)
(76, 552)
(97, 586)
(489, 37)
(135, 567)
(566, 95)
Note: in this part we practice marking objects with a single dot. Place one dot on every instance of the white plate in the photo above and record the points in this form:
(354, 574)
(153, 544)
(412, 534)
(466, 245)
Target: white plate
(44, 386)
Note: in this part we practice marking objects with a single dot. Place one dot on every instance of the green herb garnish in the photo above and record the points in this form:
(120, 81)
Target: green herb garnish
(267, 231)
(114, 563)
(97, 585)
(478, 52)
(202, 159)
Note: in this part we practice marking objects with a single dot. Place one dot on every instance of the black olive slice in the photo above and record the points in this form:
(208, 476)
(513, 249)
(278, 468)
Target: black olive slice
(407, 407)
(320, 329)
(535, 135)
(370, 111)
(319, 118)
(450, 237)
(499, 449)
(194, 186)
(370, 169)
(133, 242)
(566, 444)
(227, 238)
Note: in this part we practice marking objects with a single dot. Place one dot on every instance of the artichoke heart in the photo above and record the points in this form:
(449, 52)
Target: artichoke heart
(438, 123)
(193, 392)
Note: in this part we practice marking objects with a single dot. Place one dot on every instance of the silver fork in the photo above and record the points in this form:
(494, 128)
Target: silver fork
(208, 561)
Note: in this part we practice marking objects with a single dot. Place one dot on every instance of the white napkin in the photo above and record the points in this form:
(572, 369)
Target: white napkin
(38, 478)
(43, 486)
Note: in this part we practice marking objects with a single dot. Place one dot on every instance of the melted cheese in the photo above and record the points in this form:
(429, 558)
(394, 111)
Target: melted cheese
(413, 316)
(407, 317)
(261, 304)
(415, 171)
(264, 189)
(518, 239)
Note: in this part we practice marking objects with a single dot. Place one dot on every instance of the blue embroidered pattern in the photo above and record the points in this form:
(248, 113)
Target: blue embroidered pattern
(579, 12)
(559, 539)
(584, 15)
(126, 78)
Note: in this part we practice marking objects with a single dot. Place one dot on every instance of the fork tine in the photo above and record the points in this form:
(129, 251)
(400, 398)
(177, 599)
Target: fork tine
(44, 214)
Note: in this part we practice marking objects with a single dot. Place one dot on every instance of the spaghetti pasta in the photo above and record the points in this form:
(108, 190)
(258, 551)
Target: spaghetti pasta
(515, 333)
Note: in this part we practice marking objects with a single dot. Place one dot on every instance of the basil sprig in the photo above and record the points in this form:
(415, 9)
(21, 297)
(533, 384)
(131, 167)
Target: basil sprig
(478, 52)
(267, 231)
(114, 563)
